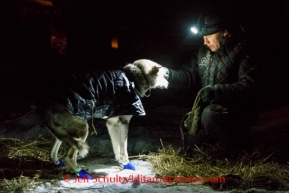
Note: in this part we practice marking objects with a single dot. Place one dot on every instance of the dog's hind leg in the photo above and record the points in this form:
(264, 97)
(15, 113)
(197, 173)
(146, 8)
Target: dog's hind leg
(78, 145)
(71, 130)
(70, 160)
(118, 130)
(79, 130)
(54, 153)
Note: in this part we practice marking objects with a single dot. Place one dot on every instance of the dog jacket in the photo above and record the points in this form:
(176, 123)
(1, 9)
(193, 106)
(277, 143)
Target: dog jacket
(100, 94)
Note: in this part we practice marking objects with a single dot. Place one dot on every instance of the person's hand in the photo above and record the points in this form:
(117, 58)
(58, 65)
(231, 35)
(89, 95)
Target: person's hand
(207, 94)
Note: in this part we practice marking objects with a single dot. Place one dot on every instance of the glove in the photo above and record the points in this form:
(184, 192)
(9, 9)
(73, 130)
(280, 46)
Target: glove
(207, 94)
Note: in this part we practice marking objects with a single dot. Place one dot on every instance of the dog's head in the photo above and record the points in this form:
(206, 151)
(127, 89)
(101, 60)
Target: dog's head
(147, 75)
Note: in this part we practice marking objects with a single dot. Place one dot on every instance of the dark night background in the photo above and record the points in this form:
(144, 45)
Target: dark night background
(152, 29)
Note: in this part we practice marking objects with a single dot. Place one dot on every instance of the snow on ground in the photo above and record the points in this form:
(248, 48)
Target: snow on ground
(111, 178)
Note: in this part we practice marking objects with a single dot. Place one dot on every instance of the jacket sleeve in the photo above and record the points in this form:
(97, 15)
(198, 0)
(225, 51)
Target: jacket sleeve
(185, 77)
(245, 87)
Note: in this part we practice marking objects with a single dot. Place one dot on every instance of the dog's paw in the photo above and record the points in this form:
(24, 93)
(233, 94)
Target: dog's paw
(84, 175)
(129, 166)
(60, 163)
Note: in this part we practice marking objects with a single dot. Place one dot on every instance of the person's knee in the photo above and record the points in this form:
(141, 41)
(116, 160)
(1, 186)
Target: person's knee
(212, 116)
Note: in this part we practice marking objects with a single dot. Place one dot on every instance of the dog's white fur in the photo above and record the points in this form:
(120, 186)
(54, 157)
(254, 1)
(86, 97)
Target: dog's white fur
(74, 130)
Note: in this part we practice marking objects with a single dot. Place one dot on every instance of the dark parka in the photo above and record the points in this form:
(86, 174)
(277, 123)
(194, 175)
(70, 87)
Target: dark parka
(230, 70)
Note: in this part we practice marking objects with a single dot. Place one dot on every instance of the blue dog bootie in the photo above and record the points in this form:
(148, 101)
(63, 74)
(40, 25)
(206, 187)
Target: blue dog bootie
(60, 163)
(128, 166)
(84, 174)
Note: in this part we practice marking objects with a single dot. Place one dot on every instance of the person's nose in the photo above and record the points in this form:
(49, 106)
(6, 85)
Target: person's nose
(206, 41)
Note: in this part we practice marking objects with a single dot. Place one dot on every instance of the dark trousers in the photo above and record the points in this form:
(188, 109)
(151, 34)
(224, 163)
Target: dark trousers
(230, 126)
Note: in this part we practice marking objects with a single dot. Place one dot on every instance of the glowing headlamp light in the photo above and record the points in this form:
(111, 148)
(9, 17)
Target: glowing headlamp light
(194, 30)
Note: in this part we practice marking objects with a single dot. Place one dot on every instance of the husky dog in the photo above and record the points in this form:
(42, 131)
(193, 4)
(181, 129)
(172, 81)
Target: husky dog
(111, 95)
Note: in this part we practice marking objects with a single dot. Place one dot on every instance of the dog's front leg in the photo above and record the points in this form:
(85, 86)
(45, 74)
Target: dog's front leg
(114, 135)
(118, 130)
(123, 133)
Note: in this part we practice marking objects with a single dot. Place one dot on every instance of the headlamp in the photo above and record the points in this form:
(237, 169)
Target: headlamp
(194, 30)
(210, 23)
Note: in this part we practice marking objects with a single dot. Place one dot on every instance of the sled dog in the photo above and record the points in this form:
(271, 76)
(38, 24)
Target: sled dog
(111, 95)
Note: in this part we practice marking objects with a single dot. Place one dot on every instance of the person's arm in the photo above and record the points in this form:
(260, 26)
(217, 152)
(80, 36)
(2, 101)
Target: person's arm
(185, 77)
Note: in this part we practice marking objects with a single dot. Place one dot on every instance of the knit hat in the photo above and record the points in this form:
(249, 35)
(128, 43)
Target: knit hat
(212, 22)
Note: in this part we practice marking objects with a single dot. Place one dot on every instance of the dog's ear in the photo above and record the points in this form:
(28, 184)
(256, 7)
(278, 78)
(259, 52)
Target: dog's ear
(154, 70)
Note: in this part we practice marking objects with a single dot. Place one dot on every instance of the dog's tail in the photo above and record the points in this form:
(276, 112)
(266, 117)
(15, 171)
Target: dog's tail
(77, 144)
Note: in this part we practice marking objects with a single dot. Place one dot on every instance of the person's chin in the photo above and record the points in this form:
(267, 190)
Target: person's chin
(212, 49)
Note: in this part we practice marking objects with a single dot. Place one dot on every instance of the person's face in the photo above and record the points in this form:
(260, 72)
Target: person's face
(214, 41)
